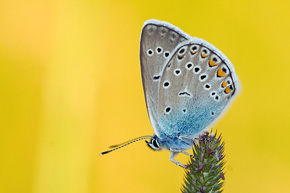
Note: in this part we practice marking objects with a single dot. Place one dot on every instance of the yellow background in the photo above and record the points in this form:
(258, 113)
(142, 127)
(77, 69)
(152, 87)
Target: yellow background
(70, 86)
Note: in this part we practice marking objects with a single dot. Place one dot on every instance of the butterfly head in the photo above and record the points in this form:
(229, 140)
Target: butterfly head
(154, 143)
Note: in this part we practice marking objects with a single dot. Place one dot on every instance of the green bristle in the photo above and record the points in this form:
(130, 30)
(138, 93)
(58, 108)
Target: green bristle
(205, 168)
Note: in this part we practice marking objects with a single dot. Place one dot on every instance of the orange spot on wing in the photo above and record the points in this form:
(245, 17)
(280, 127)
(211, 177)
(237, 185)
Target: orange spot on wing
(228, 90)
(180, 56)
(220, 73)
(211, 63)
(224, 84)
(203, 55)
(192, 52)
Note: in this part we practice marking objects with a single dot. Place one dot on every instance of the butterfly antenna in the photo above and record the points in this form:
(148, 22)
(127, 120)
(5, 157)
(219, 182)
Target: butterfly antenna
(126, 143)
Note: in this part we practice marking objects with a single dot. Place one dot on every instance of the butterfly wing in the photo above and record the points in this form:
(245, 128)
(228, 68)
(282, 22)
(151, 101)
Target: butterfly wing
(197, 84)
(158, 40)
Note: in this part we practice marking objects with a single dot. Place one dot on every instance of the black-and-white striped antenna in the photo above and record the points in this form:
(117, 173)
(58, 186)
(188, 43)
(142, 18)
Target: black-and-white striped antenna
(126, 143)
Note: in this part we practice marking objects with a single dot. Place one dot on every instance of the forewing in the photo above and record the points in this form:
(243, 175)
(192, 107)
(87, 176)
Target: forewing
(198, 83)
(158, 40)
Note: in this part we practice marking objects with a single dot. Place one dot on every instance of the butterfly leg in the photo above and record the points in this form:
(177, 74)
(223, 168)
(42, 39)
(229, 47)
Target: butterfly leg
(172, 156)
(187, 154)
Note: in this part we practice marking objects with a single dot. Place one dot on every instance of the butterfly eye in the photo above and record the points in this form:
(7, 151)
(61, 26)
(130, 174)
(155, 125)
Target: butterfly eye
(155, 143)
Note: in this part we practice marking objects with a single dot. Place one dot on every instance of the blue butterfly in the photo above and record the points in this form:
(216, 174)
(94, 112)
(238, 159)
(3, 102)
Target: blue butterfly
(188, 84)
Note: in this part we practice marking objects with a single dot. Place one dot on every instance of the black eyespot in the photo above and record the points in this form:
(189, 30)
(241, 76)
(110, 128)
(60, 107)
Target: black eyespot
(212, 113)
(156, 77)
(188, 66)
(217, 98)
(159, 50)
(182, 51)
(184, 110)
(231, 87)
(150, 52)
(193, 48)
(202, 77)
(213, 93)
(166, 54)
(214, 59)
(177, 72)
(196, 69)
(207, 86)
(204, 51)
(166, 84)
(184, 94)
(168, 109)
(224, 70)
(229, 82)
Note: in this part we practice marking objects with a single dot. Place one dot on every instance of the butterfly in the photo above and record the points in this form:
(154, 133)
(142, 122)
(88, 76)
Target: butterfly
(188, 84)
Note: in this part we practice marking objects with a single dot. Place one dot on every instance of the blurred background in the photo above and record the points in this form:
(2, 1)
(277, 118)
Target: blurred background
(70, 86)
